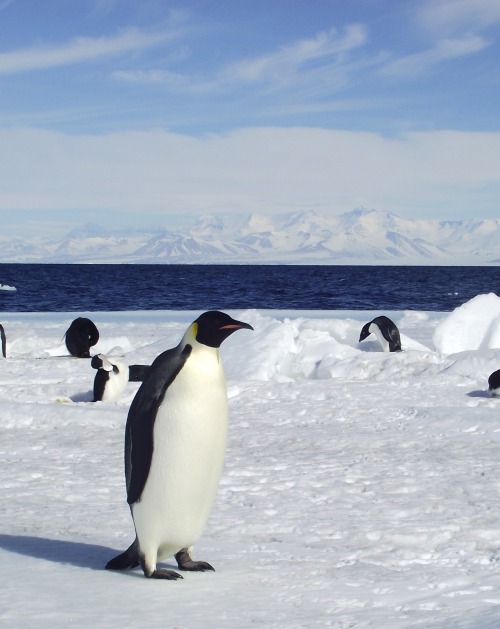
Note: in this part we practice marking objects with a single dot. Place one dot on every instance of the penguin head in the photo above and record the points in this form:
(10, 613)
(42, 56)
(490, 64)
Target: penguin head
(365, 331)
(213, 327)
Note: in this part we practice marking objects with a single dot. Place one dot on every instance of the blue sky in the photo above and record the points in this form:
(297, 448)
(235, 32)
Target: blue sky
(149, 112)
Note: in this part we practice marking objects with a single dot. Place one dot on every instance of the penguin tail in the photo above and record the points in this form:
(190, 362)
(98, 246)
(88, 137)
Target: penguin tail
(127, 560)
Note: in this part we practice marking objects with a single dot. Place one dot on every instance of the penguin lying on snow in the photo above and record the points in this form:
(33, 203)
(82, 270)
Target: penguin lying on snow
(112, 377)
(175, 439)
(80, 336)
(4, 341)
(386, 332)
(494, 384)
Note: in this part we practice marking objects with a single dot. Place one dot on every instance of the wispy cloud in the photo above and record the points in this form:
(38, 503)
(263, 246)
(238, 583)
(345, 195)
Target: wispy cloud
(456, 28)
(413, 65)
(452, 16)
(278, 66)
(81, 49)
(322, 60)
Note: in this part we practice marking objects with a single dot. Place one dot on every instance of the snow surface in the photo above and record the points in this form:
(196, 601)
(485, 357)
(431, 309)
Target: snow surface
(361, 489)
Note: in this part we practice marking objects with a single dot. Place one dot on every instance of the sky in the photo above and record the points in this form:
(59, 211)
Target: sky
(145, 113)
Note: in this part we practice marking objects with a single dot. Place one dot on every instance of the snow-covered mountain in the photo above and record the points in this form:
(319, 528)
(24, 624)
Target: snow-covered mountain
(361, 236)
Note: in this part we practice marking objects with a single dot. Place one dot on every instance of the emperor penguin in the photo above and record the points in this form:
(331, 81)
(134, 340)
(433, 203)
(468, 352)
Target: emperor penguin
(4, 341)
(386, 332)
(81, 335)
(111, 378)
(175, 440)
(494, 384)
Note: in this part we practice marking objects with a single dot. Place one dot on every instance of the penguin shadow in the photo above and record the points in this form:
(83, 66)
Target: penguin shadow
(369, 346)
(79, 554)
(82, 396)
(480, 394)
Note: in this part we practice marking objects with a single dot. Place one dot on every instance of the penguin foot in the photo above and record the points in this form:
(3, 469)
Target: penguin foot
(162, 573)
(185, 562)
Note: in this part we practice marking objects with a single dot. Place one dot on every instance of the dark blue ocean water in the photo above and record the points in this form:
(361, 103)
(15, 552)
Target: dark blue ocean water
(87, 288)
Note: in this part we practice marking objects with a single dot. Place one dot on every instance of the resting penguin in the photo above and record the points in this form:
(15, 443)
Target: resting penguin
(4, 341)
(112, 377)
(175, 440)
(80, 336)
(386, 332)
(494, 384)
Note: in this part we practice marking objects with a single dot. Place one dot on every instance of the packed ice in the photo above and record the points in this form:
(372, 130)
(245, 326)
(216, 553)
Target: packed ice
(361, 488)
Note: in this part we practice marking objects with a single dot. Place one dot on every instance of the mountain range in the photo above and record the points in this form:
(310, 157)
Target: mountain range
(361, 236)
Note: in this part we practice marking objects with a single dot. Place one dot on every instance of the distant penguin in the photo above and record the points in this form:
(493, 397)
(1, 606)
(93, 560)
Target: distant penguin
(494, 384)
(81, 335)
(111, 378)
(4, 341)
(175, 439)
(386, 332)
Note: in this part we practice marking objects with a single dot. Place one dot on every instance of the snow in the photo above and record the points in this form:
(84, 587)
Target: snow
(361, 489)
(361, 236)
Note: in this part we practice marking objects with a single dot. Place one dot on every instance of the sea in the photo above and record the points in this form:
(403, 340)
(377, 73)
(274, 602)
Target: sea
(115, 287)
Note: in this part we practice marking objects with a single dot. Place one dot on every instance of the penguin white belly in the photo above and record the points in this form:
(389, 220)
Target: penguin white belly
(380, 337)
(190, 434)
(116, 383)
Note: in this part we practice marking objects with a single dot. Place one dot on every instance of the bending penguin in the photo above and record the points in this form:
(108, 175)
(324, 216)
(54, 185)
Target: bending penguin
(386, 332)
(112, 377)
(4, 341)
(494, 384)
(175, 439)
(80, 336)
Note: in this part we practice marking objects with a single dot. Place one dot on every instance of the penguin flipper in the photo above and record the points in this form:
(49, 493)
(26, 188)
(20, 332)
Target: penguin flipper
(126, 560)
(138, 373)
(4, 341)
(142, 415)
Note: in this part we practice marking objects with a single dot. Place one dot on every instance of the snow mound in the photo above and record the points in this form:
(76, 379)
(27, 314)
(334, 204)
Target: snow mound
(474, 325)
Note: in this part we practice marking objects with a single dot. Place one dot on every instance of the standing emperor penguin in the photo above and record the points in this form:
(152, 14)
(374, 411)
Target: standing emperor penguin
(386, 332)
(175, 440)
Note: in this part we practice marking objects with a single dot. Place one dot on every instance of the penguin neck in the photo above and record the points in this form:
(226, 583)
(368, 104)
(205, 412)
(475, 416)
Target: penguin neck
(189, 338)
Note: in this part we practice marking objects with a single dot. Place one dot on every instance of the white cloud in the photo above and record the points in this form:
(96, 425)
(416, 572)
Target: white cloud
(266, 169)
(80, 49)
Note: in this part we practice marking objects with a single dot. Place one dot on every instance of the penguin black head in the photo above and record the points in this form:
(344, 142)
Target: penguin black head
(213, 327)
(494, 383)
(365, 331)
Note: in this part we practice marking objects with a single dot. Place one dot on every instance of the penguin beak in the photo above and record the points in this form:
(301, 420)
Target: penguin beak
(236, 325)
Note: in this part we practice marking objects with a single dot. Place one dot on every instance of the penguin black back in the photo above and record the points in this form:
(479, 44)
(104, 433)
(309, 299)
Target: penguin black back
(81, 335)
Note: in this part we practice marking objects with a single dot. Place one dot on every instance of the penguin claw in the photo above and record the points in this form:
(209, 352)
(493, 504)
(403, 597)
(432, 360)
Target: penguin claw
(161, 573)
